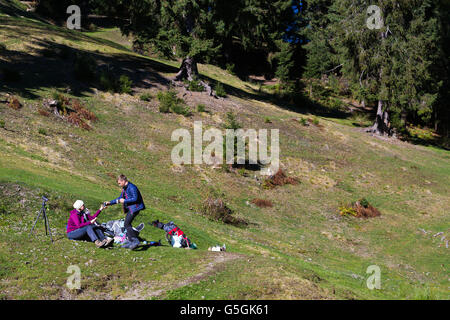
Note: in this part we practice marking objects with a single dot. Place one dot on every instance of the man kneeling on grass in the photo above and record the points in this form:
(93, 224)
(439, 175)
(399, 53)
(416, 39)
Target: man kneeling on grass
(81, 226)
(132, 202)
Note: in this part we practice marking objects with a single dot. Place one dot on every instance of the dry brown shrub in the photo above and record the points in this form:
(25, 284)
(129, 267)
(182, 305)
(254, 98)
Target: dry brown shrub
(82, 111)
(216, 209)
(14, 103)
(279, 179)
(366, 212)
(261, 203)
(74, 118)
(43, 112)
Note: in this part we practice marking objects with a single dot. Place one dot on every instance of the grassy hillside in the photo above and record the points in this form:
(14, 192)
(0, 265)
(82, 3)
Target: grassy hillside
(301, 248)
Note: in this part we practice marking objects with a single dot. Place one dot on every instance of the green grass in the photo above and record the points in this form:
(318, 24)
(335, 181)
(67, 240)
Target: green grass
(298, 249)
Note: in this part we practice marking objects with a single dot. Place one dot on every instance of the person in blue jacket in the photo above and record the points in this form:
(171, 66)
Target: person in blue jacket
(132, 202)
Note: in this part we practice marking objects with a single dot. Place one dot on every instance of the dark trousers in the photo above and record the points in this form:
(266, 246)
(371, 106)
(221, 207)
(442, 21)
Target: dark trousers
(131, 233)
(87, 232)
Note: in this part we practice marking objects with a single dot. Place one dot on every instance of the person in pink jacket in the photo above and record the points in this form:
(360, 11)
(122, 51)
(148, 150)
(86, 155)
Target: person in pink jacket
(81, 225)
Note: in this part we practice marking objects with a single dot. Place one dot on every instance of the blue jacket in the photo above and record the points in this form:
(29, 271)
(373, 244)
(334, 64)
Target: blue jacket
(133, 199)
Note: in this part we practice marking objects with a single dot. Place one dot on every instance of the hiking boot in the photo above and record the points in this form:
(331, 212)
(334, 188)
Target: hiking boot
(139, 227)
(126, 244)
(100, 244)
(134, 243)
(109, 241)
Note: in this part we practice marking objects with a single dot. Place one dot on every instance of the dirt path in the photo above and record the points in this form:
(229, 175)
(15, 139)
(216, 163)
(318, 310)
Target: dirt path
(147, 290)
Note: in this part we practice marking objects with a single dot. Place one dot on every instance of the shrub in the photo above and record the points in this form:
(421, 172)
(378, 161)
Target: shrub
(231, 122)
(168, 101)
(359, 209)
(92, 27)
(42, 131)
(109, 82)
(201, 108)
(14, 103)
(303, 121)
(318, 91)
(335, 103)
(125, 84)
(83, 112)
(347, 211)
(2, 124)
(195, 85)
(43, 112)
(242, 172)
(230, 68)
(74, 118)
(215, 209)
(180, 109)
(279, 179)
(267, 120)
(62, 102)
(84, 67)
(146, 97)
(261, 203)
(220, 90)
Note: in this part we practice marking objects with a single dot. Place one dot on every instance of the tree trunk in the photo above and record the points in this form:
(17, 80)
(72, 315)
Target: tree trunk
(189, 71)
(381, 125)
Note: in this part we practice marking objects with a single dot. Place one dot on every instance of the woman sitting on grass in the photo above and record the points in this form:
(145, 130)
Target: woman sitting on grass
(82, 225)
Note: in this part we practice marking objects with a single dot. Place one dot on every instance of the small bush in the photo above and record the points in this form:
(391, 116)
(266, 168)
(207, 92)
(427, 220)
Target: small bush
(146, 97)
(220, 90)
(231, 122)
(195, 86)
(74, 118)
(303, 121)
(43, 112)
(201, 108)
(347, 211)
(85, 67)
(215, 209)
(109, 82)
(83, 112)
(230, 68)
(169, 102)
(359, 209)
(2, 124)
(125, 84)
(14, 103)
(267, 120)
(261, 203)
(279, 179)
(92, 27)
(180, 109)
(42, 131)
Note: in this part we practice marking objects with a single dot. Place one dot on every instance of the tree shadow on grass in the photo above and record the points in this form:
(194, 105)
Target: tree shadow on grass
(15, 11)
(53, 67)
(297, 103)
